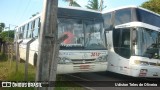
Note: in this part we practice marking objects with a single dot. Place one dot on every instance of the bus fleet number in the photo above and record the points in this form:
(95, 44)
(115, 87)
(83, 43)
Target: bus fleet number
(93, 54)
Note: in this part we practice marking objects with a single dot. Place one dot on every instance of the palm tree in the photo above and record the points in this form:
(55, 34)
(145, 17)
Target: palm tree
(2, 26)
(72, 3)
(94, 4)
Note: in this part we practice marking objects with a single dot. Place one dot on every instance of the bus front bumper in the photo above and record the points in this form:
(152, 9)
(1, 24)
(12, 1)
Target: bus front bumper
(77, 68)
(145, 71)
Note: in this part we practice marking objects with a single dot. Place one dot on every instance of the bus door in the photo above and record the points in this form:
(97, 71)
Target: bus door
(121, 44)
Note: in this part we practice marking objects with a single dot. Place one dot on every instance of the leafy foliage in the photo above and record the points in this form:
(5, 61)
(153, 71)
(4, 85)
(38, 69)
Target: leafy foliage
(72, 3)
(2, 26)
(153, 5)
(95, 5)
(7, 35)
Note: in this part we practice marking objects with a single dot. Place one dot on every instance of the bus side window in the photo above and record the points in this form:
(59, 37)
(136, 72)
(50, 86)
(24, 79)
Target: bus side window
(33, 26)
(159, 39)
(20, 32)
(39, 25)
(159, 43)
(122, 16)
(25, 31)
(29, 30)
(36, 28)
(121, 42)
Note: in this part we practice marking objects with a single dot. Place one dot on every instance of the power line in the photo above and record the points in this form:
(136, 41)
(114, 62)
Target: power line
(17, 8)
(28, 4)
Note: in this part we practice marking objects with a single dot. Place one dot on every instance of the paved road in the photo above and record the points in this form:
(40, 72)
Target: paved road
(107, 81)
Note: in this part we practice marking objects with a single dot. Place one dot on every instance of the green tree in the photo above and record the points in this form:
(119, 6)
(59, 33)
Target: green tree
(72, 3)
(95, 5)
(153, 5)
(2, 26)
(7, 35)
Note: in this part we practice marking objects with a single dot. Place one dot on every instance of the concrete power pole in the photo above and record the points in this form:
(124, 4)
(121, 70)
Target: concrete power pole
(47, 41)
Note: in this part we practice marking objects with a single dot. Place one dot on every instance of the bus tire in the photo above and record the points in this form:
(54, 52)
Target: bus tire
(35, 59)
(21, 60)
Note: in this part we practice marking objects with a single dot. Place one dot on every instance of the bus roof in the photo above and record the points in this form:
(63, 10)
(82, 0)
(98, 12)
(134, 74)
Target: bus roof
(123, 7)
(80, 8)
(130, 6)
(65, 8)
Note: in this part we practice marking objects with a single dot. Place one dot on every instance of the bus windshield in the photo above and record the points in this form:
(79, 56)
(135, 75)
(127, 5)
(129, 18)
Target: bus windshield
(81, 34)
(147, 43)
(140, 42)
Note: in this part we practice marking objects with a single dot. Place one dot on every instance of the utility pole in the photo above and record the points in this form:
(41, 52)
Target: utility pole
(47, 41)
(27, 59)
(102, 5)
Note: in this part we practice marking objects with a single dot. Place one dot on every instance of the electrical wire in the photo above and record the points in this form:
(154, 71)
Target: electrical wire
(24, 12)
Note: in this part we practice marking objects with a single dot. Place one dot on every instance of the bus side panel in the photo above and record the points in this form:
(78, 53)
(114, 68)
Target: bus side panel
(33, 51)
(112, 63)
(22, 51)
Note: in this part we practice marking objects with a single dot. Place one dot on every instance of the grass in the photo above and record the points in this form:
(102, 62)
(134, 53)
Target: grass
(8, 73)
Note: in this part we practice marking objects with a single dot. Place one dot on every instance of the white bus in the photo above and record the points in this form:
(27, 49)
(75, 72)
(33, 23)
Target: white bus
(133, 41)
(83, 51)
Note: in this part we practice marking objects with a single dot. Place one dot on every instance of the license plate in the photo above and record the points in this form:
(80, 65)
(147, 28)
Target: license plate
(84, 66)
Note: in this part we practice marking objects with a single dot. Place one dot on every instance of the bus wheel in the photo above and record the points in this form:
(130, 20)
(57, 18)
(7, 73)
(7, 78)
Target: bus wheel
(21, 60)
(35, 59)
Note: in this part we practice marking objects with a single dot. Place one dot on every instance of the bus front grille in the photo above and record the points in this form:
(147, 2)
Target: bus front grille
(82, 61)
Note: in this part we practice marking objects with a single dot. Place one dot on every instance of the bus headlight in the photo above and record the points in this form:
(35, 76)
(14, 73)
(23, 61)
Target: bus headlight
(102, 58)
(143, 63)
(64, 60)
